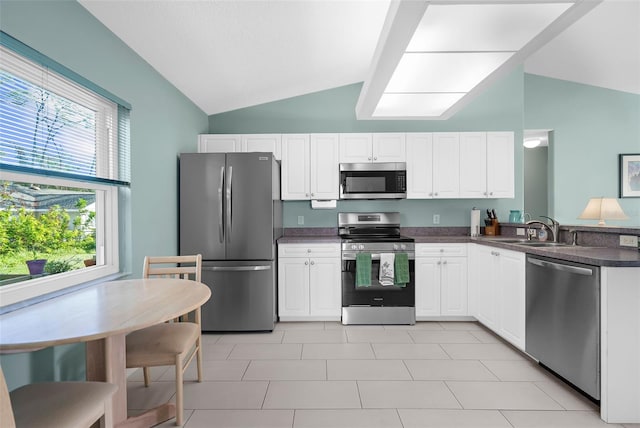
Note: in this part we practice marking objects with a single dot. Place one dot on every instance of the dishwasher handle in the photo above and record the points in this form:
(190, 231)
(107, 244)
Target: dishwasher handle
(561, 267)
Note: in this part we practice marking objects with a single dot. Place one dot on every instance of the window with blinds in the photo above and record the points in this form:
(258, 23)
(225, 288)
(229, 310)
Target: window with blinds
(64, 165)
(50, 123)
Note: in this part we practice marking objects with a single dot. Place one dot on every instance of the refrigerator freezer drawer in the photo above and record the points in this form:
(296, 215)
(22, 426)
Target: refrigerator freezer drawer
(242, 296)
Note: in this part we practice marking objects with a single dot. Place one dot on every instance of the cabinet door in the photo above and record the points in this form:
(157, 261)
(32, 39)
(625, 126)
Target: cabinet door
(427, 286)
(453, 286)
(295, 167)
(500, 165)
(446, 165)
(325, 293)
(512, 297)
(355, 148)
(293, 287)
(389, 147)
(219, 143)
(262, 143)
(486, 287)
(473, 165)
(419, 166)
(325, 174)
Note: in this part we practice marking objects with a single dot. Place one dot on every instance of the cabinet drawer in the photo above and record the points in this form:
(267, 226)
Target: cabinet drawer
(305, 250)
(449, 250)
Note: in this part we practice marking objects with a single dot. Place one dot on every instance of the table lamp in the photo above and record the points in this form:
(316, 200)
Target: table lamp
(601, 209)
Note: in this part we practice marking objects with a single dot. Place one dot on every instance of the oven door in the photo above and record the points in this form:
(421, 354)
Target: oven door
(376, 294)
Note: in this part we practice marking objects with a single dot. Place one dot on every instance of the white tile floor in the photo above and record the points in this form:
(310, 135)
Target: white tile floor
(325, 375)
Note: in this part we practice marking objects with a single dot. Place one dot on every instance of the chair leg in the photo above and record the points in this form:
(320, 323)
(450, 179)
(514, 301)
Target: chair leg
(199, 357)
(106, 420)
(147, 375)
(179, 391)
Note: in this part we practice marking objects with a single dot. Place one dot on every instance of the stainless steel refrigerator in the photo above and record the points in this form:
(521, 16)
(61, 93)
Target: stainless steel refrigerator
(231, 213)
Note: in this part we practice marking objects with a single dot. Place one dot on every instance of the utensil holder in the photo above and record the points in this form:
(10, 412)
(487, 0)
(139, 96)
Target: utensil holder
(493, 229)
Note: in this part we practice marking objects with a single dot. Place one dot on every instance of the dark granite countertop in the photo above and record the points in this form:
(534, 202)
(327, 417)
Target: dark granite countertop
(593, 255)
(310, 239)
(597, 256)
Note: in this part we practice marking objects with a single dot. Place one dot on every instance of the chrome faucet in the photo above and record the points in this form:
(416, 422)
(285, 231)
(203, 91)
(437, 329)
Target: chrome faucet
(554, 228)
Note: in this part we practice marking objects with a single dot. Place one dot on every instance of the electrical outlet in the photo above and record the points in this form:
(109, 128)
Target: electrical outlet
(520, 231)
(300, 219)
(532, 233)
(628, 241)
(436, 219)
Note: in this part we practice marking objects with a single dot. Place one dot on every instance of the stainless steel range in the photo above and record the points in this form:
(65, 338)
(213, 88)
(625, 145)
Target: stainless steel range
(374, 303)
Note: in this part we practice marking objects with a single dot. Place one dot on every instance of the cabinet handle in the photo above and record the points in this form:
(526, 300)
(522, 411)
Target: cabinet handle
(439, 263)
(306, 263)
(312, 262)
(369, 158)
(495, 253)
(375, 158)
(313, 194)
(442, 250)
(435, 194)
(306, 195)
(490, 193)
(444, 262)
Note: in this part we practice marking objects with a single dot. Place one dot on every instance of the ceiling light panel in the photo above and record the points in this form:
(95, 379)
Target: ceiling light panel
(444, 72)
(415, 105)
(483, 27)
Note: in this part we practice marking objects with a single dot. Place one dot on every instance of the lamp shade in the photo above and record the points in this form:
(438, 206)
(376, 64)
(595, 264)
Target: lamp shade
(602, 209)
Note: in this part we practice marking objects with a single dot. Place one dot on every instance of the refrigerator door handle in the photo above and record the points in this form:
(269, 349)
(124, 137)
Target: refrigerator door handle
(220, 211)
(229, 207)
(236, 268)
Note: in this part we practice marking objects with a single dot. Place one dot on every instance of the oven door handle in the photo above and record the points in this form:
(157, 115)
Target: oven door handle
(374, 256)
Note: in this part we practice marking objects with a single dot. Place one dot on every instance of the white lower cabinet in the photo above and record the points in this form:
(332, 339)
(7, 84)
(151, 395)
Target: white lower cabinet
(309, 282)
(498, 291)
(441, 280)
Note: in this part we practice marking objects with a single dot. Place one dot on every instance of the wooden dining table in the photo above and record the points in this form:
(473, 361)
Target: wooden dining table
(101, 316)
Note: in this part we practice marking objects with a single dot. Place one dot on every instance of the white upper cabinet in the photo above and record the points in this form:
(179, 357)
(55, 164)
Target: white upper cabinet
(378, 147)
(446, 165)
(356, 148)
(310, 166)
(262, 143)
(419, 165)
(473, 165)
(500, 165)
(230, 143)
(295, 168)
(389, 147)
(219, 143)
(324, 158)
(486, 165)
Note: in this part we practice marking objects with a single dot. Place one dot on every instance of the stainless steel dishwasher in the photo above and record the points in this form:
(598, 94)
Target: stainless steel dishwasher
(563, 320)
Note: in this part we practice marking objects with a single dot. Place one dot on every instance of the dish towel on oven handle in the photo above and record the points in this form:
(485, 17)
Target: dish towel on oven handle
(363, 270)
(402, 270)
(386, 275)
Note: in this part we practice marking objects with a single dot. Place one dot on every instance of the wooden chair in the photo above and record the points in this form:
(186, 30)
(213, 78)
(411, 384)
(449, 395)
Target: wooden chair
(59, 404)
(174, 343)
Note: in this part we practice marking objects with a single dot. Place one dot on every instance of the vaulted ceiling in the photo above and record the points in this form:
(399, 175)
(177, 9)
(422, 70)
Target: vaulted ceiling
(225, 55)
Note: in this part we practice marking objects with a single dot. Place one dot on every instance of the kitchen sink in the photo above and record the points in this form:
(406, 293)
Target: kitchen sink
(533, 243)
(543, 244)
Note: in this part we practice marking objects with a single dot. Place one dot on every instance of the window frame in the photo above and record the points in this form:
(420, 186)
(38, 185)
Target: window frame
(107, 242)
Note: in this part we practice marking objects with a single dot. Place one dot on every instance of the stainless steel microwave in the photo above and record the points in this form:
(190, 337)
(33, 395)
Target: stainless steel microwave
(384, 180)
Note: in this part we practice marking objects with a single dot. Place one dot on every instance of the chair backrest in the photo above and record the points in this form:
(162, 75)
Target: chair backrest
(7, 419)
(185, 267)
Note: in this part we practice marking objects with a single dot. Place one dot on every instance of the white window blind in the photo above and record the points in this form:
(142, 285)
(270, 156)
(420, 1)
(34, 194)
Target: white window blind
(50, 123)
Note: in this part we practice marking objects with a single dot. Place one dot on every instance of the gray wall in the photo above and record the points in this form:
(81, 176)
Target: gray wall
(535, 181)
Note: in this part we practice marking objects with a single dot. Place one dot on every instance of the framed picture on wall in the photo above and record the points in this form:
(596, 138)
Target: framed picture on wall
(630, 175)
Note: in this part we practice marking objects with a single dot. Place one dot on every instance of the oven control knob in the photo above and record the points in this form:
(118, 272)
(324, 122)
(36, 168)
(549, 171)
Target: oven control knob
(403, 247)
(395, 246)
(361, 247)
(354, 246)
